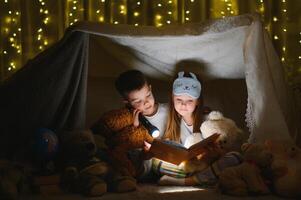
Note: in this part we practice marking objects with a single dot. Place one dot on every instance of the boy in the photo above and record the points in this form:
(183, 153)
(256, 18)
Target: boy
(137, 94)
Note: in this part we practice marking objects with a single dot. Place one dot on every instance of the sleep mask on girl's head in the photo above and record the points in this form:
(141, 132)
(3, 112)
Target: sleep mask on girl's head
(187, 85)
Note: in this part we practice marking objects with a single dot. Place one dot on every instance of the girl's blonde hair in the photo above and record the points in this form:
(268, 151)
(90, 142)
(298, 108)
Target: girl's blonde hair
(172, 131)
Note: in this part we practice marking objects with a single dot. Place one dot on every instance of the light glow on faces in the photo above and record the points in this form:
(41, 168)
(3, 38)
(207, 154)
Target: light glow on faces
(184, 104)
(143, 100)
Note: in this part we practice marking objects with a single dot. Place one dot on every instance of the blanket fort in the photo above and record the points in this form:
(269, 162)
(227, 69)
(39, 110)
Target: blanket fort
(51, 89)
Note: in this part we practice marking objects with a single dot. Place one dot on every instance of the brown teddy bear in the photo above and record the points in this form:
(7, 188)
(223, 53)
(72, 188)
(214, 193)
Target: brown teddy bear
(286, 167)
(83, 172)
(84, 169)
(248, 177)
(121, 136)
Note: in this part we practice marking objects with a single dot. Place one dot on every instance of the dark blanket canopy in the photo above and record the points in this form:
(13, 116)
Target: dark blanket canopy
(49, 91)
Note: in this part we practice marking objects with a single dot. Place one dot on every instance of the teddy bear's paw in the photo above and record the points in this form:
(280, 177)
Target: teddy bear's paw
(97, 169)
(98, 189)
(123, 184)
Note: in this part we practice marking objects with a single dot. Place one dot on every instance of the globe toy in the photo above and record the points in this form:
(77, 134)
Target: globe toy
(46, 145)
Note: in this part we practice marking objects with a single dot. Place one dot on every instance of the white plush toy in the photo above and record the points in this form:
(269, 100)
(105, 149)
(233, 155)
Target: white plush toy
(231, 138)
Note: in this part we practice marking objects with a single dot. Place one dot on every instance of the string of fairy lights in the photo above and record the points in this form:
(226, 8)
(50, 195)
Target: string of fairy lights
(135, 12)
(41, 39)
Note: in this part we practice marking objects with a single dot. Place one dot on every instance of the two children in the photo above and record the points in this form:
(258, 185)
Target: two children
(185, 113)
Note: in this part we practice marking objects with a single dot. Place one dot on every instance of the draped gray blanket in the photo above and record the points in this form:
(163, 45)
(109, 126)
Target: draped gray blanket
(50, 90)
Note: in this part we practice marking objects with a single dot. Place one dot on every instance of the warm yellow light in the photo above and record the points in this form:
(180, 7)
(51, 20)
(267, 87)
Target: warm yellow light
(191, 1)
(187, 12)
(74, 2)
(46, 12)
(232, 12)
(138, 3)
(116, 22)
(159, 4)
(284, 30)
(9, 69)
(4, 52)
(222, 12)
(276, 37)
(299, 57)
(42, 3)
(159, 24)
(158, 17)
(70, 14)
(136, 14)
(40, 30)
(136, 24)
(275, 19)
(122, 7)
(282, 59)
(97, 11)
(19, 29)
(169, 12)
(45, 42)
(9, 12)
(74, 7)
(261, 1)
(103, 1)
(284, 10)
(14, 34)
(5, 1)
(300, 41)
(41, 10)
(75, 20)
(11, 39)
(17, 13)
(228, 8)
(12, 64)
(40, 47)
(19, 51)
(169, 1)
(187, 18)
(101, 19)
(283, 48)
(168, 22)
(71, 24)
(283, 1)
(39, 37)
(8, 20)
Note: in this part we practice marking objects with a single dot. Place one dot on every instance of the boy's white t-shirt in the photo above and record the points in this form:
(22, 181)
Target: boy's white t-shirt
(159, 119)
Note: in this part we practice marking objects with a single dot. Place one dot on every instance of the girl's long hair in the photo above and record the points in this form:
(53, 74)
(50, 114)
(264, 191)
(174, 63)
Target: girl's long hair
(172, 131)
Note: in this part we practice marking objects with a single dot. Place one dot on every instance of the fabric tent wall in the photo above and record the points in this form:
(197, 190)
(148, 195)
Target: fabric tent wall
(51, 90)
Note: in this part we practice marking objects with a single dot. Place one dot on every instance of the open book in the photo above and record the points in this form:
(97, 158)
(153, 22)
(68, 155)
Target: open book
(175, 154)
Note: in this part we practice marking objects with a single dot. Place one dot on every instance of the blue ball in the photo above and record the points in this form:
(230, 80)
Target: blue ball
(46, 144)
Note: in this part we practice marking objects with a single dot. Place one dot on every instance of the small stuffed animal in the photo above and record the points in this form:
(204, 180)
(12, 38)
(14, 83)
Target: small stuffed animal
(121, 136)
(286, 167)
(247, 177)
(230, 139)
(82, 172)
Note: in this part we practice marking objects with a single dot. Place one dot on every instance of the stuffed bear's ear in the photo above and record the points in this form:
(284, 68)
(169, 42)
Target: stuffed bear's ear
(245, 146)
(215, 115)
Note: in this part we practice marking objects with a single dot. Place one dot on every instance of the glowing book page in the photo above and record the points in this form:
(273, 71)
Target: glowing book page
(175, 154)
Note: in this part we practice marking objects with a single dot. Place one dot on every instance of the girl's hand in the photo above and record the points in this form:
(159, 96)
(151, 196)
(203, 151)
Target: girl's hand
(146, 153)
(136, 113)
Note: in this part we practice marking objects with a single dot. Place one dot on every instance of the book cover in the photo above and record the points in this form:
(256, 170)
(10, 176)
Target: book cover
(175, 154)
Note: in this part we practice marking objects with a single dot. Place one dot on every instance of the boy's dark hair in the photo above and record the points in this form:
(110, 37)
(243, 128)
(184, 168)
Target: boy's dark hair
(129, 81)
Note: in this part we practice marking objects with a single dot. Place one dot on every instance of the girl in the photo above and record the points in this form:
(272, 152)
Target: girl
(186, 113)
